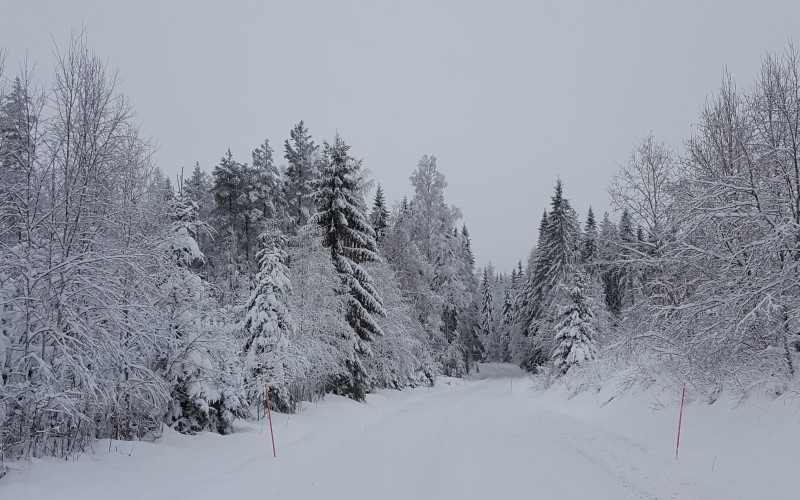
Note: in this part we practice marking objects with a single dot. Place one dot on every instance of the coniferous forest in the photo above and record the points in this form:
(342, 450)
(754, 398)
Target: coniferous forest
(132, 301)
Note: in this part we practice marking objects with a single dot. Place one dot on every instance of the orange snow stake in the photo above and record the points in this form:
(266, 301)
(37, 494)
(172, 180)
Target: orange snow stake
(680, 420)
(269, 415)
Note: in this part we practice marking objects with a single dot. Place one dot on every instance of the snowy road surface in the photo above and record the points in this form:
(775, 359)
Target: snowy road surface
(488, 437)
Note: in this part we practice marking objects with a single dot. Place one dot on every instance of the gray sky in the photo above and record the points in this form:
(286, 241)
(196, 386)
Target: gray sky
(507, 95)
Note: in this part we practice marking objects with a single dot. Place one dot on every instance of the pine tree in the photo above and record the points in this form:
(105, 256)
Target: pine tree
(228, 177)
(230, 252)
(268, 325)
(576, 331)
(380, 214)
(302, 171)
(268, 184)
(351, 240)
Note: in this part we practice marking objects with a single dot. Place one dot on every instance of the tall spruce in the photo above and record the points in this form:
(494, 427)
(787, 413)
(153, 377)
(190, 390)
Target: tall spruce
(379, 217)
(468, 246)
(531, 288)
(557, 252)
(561, 246)
(589, 247)
(610, 270)
(351, 240)
(487, 306)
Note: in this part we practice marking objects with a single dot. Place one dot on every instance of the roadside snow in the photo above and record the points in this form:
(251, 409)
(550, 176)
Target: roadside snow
(489, 436)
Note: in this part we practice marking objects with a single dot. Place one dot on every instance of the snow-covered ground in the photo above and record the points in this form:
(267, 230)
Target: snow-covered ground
(491, 436)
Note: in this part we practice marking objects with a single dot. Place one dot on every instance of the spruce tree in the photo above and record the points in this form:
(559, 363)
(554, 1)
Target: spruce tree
(628, 245)
(268, 325)
(557, 252)
(197, 186)
(626, 233)
(380, 214)
(531, 288)
(589, 247)
(17, 128)
(404, 205)
(561, 244)
(185, 228)
(610, 271)
(468, 246)
(18, 123)
(576, 331)
(508, 307)
(302, 171)
(487, 307)
(351, 240)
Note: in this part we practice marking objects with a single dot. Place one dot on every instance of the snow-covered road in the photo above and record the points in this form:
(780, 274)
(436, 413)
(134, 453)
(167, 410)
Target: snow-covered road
(486, 437)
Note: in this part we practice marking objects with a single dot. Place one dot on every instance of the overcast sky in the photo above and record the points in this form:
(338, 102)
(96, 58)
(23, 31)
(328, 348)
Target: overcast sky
(507, 95)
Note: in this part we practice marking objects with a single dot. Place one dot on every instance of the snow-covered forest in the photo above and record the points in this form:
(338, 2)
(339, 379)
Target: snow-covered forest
(132, 301)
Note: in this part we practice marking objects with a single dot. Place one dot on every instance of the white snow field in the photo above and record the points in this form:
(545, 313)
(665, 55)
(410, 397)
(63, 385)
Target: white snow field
(491, 436)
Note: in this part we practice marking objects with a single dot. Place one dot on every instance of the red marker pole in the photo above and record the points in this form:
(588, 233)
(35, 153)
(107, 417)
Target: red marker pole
(680, 420)
(269, 415)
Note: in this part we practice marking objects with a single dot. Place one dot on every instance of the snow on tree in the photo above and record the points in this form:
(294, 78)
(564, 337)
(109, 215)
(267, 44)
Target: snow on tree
(268, 325)
(204, 391)
(19, 121)
(531, 290)
(379, 217)
(228, 176)
(575, 332)
(487, 307)
(268, 188)
(185, 227)
(435, 268)
(350, 238)
(508, 324)
(610, 270)
(321, 333)
(556, 255)
(560, 250)
(470, 258)
(79, 271)
(304, 164)
(589, 243)
(403, 356)
(197, 188)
